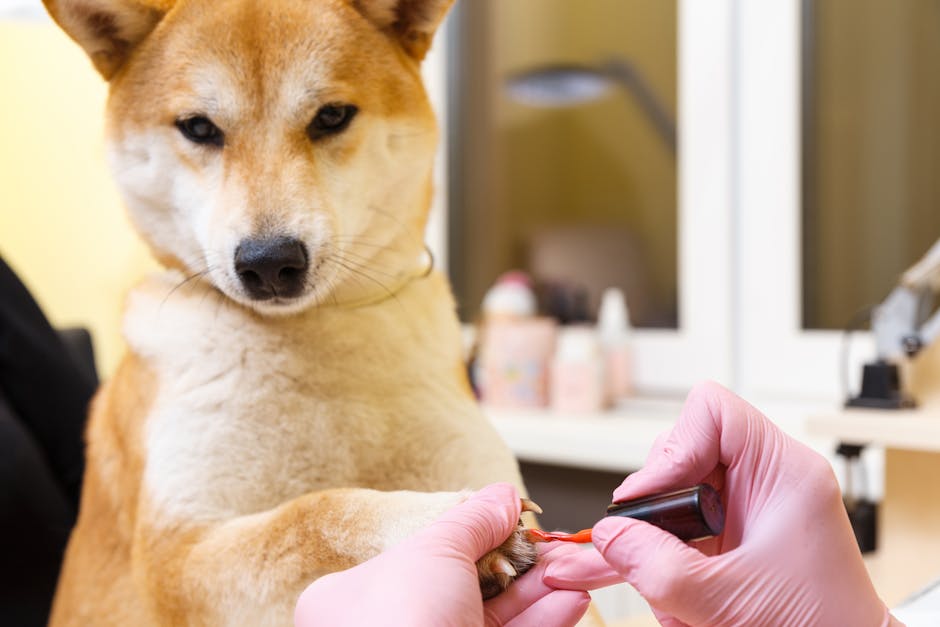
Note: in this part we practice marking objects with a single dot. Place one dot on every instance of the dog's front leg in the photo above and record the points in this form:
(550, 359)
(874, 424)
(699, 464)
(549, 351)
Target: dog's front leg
(249, 570)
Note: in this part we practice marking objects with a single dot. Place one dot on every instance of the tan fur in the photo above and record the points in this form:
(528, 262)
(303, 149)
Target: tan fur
(244, 447)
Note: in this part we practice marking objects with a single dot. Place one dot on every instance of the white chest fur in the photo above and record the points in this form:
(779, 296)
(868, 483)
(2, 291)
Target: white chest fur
(252, 411)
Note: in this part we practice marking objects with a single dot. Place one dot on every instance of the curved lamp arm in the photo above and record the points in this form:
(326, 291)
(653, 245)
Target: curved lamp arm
(565, 85)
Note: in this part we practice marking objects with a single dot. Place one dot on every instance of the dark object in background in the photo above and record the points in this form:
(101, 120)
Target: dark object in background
(881, 388)
(46, 382)
(565, 302)
(586, 260)
(863, 513)
(864, 519)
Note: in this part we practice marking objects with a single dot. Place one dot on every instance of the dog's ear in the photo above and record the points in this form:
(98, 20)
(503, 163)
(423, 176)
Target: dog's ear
(108, 30)
(412, 22)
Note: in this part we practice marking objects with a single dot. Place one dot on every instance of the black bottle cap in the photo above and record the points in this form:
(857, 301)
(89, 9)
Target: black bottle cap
(690, 514)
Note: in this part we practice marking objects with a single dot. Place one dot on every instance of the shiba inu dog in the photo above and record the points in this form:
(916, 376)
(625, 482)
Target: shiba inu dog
(293, 398)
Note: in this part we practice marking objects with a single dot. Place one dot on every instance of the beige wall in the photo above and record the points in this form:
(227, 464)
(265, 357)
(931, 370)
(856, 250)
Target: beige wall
(62, 227)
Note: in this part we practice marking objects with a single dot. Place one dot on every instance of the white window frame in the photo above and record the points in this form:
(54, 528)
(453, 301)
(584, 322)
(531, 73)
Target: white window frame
(701, 348)
(776, 357)
(670, 361)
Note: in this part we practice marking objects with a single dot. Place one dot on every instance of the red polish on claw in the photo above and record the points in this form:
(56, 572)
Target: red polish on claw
(537, 535)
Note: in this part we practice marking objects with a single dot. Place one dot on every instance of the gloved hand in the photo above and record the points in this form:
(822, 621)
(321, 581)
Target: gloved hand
(431, 577)
(787, 555)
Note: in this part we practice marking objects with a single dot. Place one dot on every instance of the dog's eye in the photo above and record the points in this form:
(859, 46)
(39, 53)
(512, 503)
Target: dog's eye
(331, 119)
(201, 130)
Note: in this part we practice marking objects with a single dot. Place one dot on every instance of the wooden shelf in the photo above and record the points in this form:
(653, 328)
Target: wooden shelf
(908, 555)
(909, 429)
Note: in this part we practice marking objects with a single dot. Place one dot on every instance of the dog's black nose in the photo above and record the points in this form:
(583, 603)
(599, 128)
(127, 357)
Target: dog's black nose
(272, 267)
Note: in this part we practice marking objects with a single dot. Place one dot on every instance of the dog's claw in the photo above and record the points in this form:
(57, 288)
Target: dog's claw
(528, 505)
(502, 565)
(498, 568)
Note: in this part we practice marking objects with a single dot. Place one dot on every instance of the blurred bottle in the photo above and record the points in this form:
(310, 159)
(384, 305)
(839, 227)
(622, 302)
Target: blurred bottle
(613, 324)
(577, 374)
(515, 346)
(511, 296)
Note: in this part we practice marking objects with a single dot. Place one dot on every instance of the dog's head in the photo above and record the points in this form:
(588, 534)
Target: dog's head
(281, 148)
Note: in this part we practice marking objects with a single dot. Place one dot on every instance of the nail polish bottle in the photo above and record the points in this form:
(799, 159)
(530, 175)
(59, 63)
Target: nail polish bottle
(515, 347)
(613, 324)
(514, 358)
(577, 376)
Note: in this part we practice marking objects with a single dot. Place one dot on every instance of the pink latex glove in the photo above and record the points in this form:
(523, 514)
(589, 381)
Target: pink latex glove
(431, 577)
(787, 555)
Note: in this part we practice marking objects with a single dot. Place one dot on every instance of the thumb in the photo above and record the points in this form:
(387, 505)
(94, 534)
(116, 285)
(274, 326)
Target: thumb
(479, 524)
(663, 569)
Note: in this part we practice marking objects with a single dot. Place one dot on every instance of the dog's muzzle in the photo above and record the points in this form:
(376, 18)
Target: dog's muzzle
(272, 268)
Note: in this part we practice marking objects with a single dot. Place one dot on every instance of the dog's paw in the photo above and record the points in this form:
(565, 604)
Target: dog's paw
(498, 568)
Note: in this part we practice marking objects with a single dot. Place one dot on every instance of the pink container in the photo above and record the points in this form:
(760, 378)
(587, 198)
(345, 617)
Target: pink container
(515, 355)
(578, 373)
